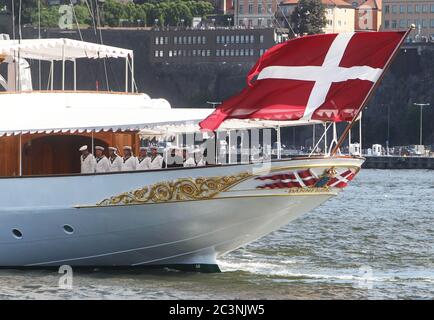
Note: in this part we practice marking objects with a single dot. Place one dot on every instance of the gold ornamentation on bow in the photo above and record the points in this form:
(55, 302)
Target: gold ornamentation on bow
(179, 190)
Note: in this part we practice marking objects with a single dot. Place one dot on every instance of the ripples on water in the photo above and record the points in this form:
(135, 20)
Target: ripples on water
(374, 241)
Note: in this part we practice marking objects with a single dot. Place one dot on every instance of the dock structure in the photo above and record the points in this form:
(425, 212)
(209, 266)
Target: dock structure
(398, 162)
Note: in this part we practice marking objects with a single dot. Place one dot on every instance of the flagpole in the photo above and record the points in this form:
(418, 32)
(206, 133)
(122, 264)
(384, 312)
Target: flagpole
(368, 97)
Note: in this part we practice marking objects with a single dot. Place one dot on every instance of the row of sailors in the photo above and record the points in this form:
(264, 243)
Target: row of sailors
(100, 163)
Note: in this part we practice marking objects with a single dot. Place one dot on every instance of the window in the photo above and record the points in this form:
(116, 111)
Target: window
(185, 40)
(228, 38)
(242, 52)
(250, 23)
(232, 39)
(432, 8)
(250, 8)
(393, 24)
(208, 53)
(417, 8)
(432, 23)
(425, 8)
(199, 40)
(410, 8)
(417, 23)
(386, 9)
(194, 53)
(218, 39)
(402, 8)
(425, 23)
(157, 40)
(217, 53)
(156, 53)
(402, 23)
(237, 53)
(194, 39)
(269, 10)
(409, 22)
(170, 53)
(161, 53)
(259, 22)
(175, 40)
(166, 40)
(394, 8)
(259, 8)
(203, 39)
(386, 24)
(237, 39)
(261, 38)
(241, 9)
(189, 39)
(251, 52)
(252, 38)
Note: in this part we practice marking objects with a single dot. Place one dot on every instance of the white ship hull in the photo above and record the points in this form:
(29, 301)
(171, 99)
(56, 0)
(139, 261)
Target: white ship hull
(91, 221)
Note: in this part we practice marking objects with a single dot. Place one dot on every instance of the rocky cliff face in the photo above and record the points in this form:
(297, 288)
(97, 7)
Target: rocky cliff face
(410, 79)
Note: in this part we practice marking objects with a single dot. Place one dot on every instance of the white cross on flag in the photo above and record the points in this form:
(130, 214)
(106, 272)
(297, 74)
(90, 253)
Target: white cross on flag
(321, 77)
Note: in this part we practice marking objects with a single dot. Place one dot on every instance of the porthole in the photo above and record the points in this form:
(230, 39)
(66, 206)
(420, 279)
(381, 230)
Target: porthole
(68, 229)
(17, 233)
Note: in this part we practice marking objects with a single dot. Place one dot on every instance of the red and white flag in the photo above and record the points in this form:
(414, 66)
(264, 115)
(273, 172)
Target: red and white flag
(303, 179)
(296, 179)
(321, 77)
(341, 181)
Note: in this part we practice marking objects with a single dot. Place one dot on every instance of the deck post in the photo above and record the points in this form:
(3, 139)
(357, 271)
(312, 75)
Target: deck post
(52, 75)
(63, 68)
(279, 141)
(75, 75)
(132, 74)
(325, 138)
(126, 74)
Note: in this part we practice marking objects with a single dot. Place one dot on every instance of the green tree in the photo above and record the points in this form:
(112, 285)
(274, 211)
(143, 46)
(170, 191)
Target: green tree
(309, 17)
(174, 12)
(113, 12)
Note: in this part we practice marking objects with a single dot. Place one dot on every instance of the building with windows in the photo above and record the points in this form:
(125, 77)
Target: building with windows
(367, 15)
(340, 15)
(255, 13)
(223, 6)
(213, 45)
(401, 14)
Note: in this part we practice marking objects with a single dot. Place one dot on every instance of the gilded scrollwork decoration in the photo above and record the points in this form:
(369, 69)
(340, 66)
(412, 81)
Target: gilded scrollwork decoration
(179, 190)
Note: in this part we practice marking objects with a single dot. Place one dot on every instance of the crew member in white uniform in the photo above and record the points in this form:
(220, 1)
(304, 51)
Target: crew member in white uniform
(188, 158)
(129, 160)
(87, 160)
(142, 163)
(102, 163)
(155, 161)
(115, 161)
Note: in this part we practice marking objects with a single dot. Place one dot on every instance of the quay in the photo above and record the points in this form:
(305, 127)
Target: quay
(398, 162)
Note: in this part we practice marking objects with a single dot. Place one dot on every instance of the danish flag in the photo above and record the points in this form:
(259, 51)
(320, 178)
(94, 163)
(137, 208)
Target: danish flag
(341, 181)
(321, 77)
(303, 179)
(296, 179)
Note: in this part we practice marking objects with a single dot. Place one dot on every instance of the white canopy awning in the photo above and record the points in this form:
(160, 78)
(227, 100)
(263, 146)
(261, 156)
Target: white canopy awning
(60, 49)
(51, 112)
